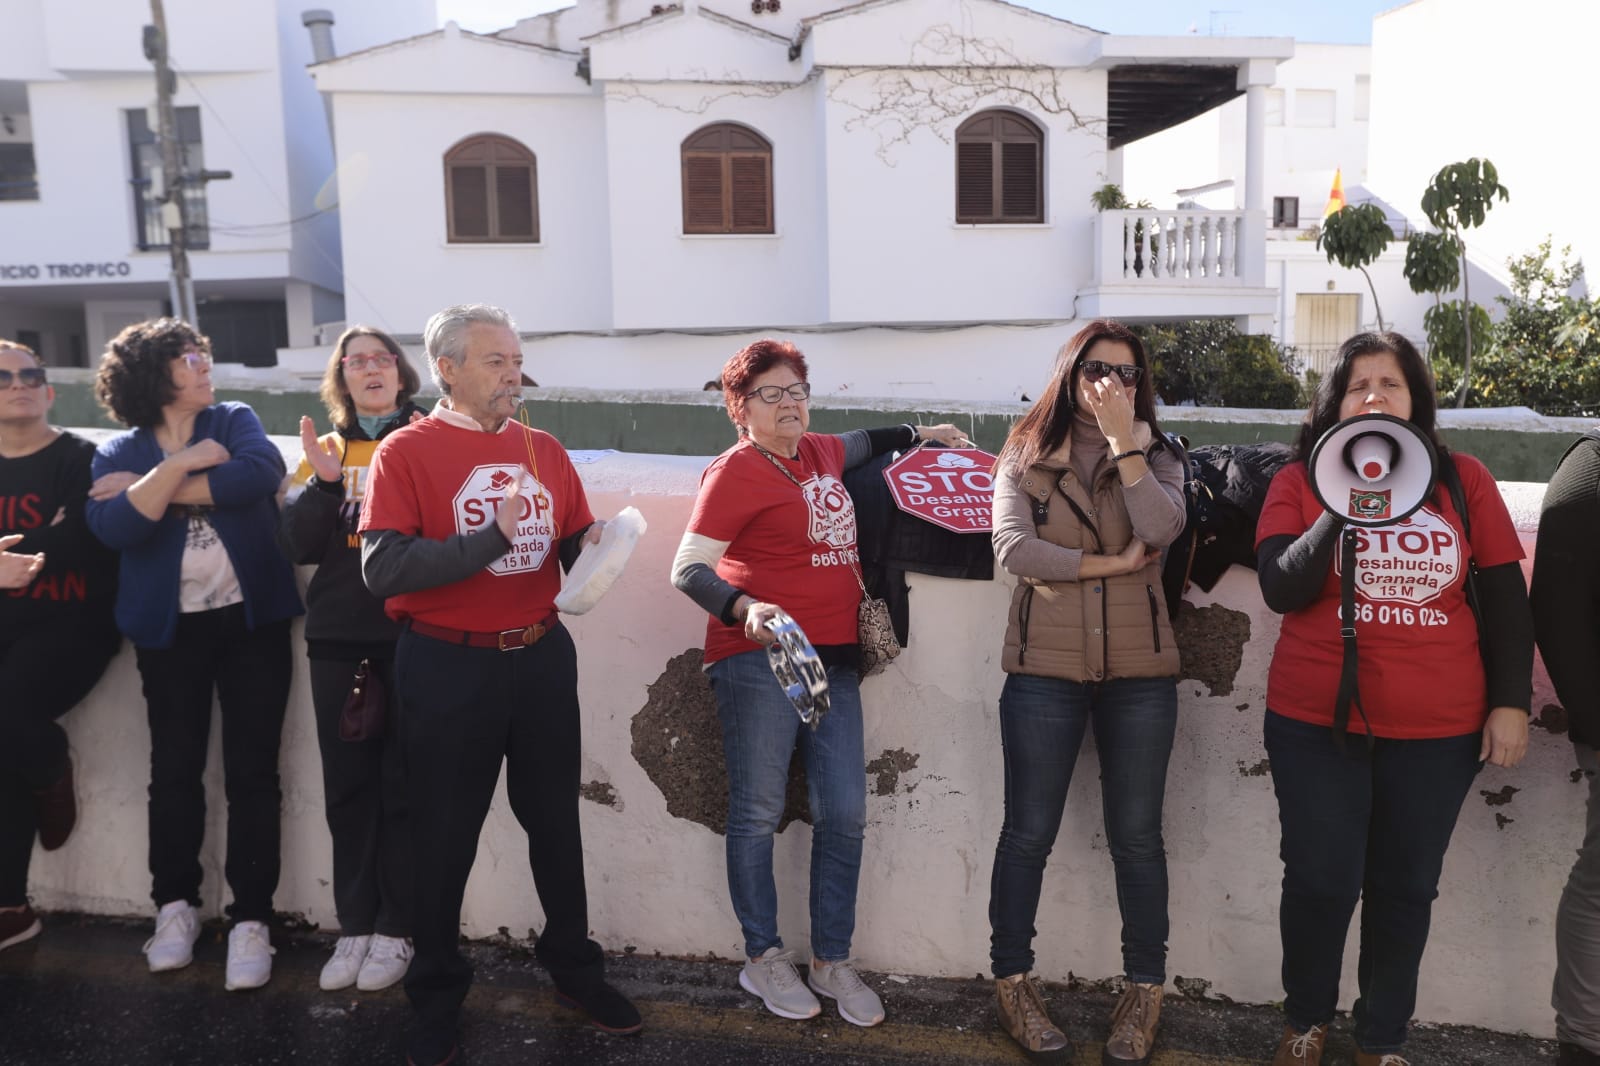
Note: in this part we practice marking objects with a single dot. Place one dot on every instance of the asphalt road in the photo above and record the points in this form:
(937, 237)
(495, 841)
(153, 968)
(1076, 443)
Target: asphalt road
(80, 995)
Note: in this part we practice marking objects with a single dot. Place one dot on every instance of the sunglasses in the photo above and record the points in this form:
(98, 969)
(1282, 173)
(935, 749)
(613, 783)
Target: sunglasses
(800, 390)
(195, 360)
(32, 377)
(378, 360)
(1094, 370)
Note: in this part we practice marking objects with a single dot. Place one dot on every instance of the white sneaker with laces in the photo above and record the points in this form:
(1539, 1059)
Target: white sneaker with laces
(387, 962)
(858, 1004)
(341, 970)
(172, 946)
(774, 979)
(249, 957)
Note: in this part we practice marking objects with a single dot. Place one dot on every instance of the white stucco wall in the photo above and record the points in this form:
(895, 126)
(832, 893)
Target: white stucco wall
(656, 881)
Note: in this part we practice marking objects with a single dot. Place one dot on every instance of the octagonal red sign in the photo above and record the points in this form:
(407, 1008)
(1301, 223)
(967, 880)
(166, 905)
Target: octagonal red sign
(950, 487)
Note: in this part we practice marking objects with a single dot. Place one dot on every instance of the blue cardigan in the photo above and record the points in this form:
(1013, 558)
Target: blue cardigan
(245, 514)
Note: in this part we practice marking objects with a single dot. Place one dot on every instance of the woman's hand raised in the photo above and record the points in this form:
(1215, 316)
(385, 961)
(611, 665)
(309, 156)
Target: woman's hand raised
(324, 457)
(1112, 407)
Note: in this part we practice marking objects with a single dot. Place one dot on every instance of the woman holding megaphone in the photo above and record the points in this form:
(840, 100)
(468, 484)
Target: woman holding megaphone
(1384, 697)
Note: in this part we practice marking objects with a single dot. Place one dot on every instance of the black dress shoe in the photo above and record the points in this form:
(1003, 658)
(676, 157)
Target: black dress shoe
(609, 1010)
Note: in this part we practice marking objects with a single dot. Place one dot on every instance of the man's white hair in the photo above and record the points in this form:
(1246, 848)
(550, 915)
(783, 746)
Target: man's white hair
(445, 335)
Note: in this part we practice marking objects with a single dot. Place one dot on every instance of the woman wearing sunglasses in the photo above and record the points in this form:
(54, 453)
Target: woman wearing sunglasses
(773, 528)
(1086, 491)
(367, 389)
(187, 495)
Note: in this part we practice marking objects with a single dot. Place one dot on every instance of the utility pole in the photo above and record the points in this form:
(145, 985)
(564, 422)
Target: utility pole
(176, 208)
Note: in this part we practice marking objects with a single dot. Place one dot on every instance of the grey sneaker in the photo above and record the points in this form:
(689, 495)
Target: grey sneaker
(858, 1004)
(773, 978)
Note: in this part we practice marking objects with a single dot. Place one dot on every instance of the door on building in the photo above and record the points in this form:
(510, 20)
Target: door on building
(1322, 322)
(245, 331)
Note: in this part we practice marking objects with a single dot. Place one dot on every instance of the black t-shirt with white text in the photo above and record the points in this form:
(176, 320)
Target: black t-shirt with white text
(42, 497)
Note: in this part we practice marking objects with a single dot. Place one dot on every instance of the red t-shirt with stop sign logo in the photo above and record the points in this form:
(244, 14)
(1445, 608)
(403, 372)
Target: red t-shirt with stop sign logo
(1419, 667)
(433, 479)
(789, 545)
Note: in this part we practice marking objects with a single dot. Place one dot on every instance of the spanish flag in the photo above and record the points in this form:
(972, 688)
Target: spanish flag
(1335, 196)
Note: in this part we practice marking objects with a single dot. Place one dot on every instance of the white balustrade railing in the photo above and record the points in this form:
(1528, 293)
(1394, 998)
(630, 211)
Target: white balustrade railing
(1173, 247)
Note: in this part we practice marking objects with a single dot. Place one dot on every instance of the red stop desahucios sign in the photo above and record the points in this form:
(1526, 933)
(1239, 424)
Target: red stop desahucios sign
(950, 487)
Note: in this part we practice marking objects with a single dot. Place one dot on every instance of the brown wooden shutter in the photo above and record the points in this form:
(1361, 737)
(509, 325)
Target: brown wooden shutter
(704, 197)
(751, 201)
(514, 200)
(1019, 181)
(974, 182)
(469, 203)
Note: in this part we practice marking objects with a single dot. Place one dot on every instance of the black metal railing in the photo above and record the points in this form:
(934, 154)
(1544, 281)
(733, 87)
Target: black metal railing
(151, 229)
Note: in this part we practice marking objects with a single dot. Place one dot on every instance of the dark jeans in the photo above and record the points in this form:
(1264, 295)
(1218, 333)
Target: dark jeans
(1368, 826)
(44, 673)
(249, 672)
(363, 786)
(759, 732)
(1042, 724)
(464, 711)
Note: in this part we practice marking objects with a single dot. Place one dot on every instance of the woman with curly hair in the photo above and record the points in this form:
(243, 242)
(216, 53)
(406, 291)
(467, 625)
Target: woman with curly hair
(367, 388)
(187, 495)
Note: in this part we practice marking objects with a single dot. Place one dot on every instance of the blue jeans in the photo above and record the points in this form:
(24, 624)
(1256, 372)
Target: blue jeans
(1042, 723)
(759, 732)
(1369, 826)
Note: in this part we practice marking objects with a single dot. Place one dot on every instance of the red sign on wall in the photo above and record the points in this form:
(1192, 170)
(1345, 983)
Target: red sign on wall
(950, 487)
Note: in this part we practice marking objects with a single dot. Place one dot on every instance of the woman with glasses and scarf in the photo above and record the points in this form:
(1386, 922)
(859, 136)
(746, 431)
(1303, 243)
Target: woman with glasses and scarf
(188, 496)
(1087, 490)
(367, 388)
(774, 529)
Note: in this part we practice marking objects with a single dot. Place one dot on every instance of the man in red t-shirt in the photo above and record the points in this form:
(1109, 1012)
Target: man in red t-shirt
(467, 513)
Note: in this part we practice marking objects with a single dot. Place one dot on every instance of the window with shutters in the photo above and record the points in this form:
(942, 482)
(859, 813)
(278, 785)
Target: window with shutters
(999, 169)
(491, 192)
(727, 180)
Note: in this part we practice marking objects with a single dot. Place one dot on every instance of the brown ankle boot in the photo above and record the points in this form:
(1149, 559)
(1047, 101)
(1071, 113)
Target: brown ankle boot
(1301, 1049)
(1133, 1026)
(1368, 1058)
(1023, 1016)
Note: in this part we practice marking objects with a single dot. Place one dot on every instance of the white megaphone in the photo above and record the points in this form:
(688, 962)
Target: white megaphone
(1373, 469)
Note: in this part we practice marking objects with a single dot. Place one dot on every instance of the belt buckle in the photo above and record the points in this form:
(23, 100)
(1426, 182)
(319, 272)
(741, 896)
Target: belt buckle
(523, 636)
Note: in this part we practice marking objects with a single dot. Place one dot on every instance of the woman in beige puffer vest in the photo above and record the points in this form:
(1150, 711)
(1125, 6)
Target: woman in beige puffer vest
(1087, 491)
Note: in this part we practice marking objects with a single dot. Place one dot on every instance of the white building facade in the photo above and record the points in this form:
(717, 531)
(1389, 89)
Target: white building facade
(902, 186)
(83, 244)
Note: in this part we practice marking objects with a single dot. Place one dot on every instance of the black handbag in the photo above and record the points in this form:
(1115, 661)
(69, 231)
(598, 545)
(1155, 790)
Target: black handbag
(367, 707)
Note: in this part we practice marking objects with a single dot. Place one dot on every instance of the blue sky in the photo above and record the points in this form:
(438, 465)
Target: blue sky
(1335, 21)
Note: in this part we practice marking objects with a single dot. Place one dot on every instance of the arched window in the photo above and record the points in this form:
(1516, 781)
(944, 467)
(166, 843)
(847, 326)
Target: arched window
(727, 180)
(491, 191)
(999, 169)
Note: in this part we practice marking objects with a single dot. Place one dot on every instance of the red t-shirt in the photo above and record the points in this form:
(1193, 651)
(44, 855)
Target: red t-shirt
(432, 479)
(785, 547)
(1420, 670)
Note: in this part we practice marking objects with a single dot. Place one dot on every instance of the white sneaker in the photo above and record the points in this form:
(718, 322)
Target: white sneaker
(249, 957)
(386, 963)
(341, 970)
(177, 928)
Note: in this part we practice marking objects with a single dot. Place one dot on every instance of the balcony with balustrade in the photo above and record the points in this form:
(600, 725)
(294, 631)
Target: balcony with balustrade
(1179, 263)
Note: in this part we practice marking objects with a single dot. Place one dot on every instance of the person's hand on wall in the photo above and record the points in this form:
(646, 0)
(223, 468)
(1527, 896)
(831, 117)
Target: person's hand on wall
(944, 433)
(1505, 737)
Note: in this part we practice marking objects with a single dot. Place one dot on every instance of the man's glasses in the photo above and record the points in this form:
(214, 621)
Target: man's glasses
(800, 390)
(32, 377)
(195, 361)
(377, 360)
(1094, 370)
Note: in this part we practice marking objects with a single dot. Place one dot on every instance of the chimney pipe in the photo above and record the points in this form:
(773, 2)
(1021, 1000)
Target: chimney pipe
(319, 24)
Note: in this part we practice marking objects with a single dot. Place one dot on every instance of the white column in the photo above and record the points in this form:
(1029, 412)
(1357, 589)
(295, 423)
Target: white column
(1255, 148)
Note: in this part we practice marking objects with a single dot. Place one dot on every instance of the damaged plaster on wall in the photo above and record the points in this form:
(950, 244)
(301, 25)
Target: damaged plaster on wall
(677, 741)
(1211, 644)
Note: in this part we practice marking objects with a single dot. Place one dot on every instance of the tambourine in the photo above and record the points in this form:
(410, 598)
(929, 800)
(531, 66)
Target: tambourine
(798, 668)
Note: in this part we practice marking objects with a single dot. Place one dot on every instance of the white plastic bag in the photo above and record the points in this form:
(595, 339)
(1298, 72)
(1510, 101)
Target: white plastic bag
(602, 563)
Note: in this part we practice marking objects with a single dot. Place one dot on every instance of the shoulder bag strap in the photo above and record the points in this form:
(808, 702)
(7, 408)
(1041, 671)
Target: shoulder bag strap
(1349, 684)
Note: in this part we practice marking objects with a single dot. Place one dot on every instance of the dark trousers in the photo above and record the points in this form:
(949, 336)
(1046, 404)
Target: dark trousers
(1042, 725)
(45, 671)
(1372, 826)
(215, 651)
(464, 711)
(363, 786)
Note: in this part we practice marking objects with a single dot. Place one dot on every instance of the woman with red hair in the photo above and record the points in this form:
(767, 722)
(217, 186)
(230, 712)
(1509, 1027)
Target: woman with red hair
(773, 530)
